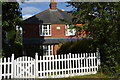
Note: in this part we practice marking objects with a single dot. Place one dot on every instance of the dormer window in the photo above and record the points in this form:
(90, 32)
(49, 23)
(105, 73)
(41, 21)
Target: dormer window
(70, 32)
(45, 30)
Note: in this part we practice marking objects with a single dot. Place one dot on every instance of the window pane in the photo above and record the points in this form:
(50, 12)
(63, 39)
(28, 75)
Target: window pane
(70, 32)
(49, 26)
(44, 27)
(47, 49)
(45, 30)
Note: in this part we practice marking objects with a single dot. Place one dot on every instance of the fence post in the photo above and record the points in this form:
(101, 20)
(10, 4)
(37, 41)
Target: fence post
(70, 64)
(12, 66)
(98, 56)
(36, 65)
(1, 68)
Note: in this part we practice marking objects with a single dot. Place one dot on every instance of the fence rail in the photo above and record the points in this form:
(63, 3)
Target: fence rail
(64, 65)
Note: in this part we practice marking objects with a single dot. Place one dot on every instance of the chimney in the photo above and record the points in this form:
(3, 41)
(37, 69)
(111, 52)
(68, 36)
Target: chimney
(53, 5)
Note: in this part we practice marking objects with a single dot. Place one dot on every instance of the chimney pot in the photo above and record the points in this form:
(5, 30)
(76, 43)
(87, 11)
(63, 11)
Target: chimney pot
(53, 4)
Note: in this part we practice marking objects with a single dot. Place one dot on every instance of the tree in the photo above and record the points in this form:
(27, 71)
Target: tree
(102, 21)
(11, 17)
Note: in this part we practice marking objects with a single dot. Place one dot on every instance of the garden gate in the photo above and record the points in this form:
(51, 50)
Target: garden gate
(24, 67)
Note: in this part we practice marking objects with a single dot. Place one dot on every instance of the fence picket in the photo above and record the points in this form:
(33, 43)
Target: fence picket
(84, 62)
(78, 63)
(72, 70)
(0, 68)
(56, 67)
(8, 68)
(47, 66)
(65, 62)
(91, 62)
(62, 63)
(4, 67)
(36, 65)
(81, 63)
(70, 64)
(59, 63)
(39, 68)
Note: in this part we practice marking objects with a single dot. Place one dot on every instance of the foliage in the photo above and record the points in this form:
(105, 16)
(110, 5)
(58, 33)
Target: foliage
(102, 21)
(64, 48)
(11, 17)
(18, 36)
(82, 46)
(14, 49)
(79, 46)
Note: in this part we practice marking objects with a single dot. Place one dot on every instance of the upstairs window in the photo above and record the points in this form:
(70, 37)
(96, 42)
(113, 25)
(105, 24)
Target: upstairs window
(70, 32)
(45, 30)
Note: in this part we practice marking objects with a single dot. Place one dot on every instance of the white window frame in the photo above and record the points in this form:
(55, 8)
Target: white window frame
(69, 32)
(42, 30)
(47, 50)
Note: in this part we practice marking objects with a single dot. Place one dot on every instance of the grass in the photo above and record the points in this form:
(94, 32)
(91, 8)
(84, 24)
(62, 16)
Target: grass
(98, 75)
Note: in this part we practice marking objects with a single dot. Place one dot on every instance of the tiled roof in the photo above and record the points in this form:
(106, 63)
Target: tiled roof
(49, 16)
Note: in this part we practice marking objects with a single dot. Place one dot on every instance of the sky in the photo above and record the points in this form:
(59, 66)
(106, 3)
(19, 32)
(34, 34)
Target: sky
(31, 8)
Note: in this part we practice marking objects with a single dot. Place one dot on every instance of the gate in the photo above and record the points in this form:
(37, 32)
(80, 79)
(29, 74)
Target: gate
(24, 67)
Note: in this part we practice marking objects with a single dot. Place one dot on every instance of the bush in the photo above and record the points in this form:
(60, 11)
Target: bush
(14, 49)
(82, 46)
(64, 48)
(79, 46)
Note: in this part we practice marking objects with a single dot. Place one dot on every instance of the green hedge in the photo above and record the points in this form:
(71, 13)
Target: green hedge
(79, 46)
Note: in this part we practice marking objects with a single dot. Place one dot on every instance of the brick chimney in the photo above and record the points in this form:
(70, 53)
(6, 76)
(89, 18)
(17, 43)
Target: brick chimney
(53, 5)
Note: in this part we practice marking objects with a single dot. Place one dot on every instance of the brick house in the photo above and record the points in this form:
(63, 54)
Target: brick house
(44, 31)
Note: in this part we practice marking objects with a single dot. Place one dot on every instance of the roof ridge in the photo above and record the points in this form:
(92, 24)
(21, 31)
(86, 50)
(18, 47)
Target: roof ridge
(41, 12)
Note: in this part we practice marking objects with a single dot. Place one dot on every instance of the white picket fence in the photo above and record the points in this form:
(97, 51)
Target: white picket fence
(64, 65)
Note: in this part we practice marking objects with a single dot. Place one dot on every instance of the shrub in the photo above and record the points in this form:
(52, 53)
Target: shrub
(14, 49)
(82, 46)
(64, 48)
(79, 46)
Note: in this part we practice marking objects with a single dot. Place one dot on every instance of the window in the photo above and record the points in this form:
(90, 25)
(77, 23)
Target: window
(45, 30)
(70, 32)
(47, 50)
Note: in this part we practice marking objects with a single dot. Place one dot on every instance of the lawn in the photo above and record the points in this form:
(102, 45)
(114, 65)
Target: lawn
(98, 75)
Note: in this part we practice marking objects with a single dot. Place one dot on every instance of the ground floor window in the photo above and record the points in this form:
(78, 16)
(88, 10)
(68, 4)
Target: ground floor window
(47, 49)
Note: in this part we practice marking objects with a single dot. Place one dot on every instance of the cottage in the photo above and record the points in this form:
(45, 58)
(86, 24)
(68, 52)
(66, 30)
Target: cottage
(44, 31)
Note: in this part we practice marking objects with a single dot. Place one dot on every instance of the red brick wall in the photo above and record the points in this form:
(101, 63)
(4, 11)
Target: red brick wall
(55, 48)
(58, 32)
(32, 31)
